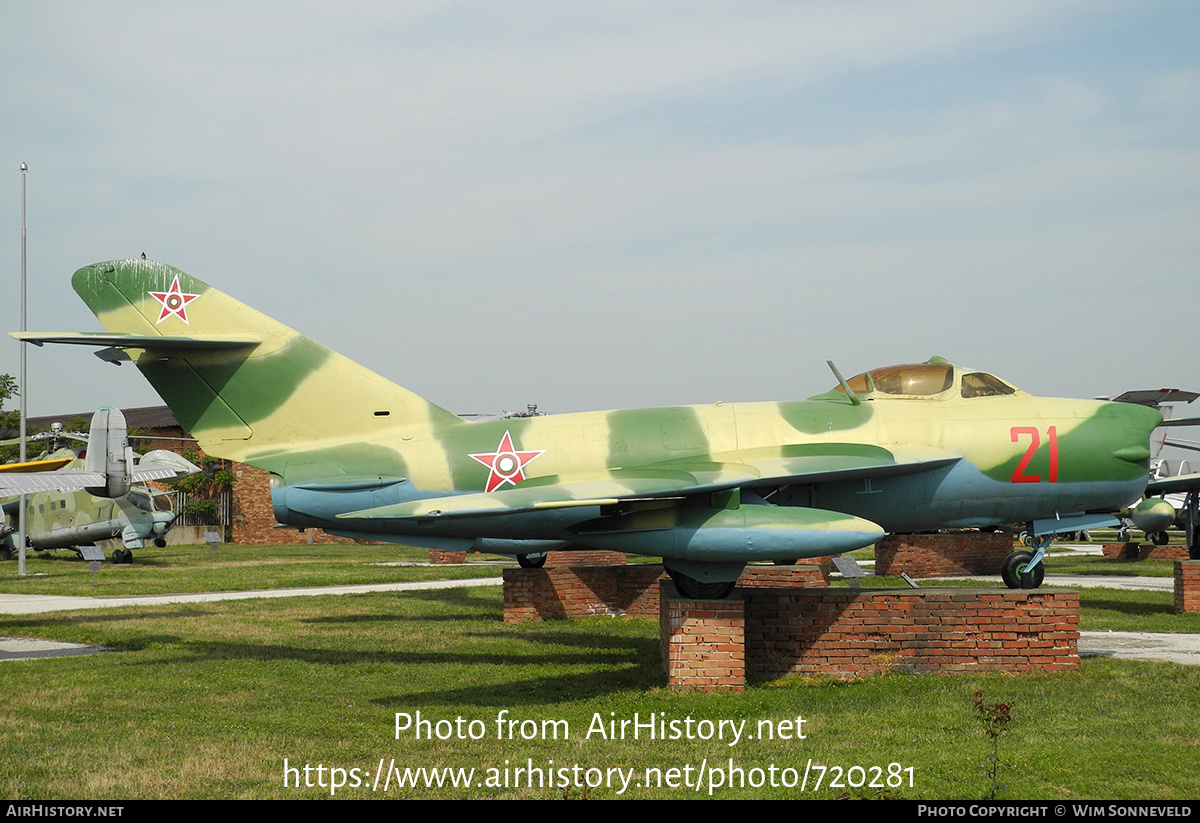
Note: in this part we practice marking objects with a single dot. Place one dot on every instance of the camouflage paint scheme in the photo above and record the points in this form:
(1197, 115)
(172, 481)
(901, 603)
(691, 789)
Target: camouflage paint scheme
(90, 498)
(65, 520)
(706, 487)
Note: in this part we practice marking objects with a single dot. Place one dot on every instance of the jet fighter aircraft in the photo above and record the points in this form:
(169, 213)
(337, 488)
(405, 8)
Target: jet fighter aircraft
(92, 498)
(707, 488)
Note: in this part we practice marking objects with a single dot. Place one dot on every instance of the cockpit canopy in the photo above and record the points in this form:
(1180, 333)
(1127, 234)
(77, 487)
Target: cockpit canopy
(933, 378)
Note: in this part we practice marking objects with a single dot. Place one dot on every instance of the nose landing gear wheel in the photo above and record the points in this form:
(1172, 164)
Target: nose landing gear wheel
(1014, 567)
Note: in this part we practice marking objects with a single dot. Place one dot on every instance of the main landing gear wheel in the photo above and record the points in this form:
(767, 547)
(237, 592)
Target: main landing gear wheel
(6, 553)
(531, 561)
(121, 556)
(1014, 567)
(695, 589)
(1160, 538)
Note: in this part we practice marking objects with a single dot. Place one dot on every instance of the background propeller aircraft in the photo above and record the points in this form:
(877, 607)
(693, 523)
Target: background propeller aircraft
(707, 488)
(92, 498)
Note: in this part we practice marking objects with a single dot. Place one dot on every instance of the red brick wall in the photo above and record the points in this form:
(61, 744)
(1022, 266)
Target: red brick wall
(253, 518)
(846, 634)
(702, 642)
(1187, 586)
(942, 555)
(1144, 551)
(776, 577)
(630, 591)
(581, 591)
(591, 557)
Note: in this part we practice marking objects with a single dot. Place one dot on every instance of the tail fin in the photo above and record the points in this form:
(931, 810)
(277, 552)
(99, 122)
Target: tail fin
(238, 381)
(108, 453)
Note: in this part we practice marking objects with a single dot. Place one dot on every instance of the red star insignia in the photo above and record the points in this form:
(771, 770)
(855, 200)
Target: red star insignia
(173, 302)
(507, 464)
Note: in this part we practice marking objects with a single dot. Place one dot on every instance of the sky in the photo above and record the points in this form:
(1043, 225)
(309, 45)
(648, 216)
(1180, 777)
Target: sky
(605, 205)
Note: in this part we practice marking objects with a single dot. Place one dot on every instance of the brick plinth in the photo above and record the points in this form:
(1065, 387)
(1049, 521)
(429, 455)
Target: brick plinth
(703, 644)
(254, 520)
(942, 555)
(847, 634)
(1164, 553)
(1187, 586)
(439, 557)
(585, 558)
(578, 591)
(1120, 551)
(581, 591)
(776, 577)
(1143, 551)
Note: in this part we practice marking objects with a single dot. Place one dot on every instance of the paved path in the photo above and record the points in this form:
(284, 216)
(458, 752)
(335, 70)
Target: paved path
(21, 648)
(1174, 648)
(1078, 581)
(38, 603)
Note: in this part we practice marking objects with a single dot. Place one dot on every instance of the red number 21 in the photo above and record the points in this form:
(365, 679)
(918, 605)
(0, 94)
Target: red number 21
(1035, 440)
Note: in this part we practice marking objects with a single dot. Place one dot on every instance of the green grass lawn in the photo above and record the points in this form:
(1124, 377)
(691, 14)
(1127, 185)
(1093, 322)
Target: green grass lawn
(209, 700)
(1068, 563)
(184, 569)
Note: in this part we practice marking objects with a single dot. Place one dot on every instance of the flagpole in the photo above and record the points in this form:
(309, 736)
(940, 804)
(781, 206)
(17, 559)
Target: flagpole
(24, 456)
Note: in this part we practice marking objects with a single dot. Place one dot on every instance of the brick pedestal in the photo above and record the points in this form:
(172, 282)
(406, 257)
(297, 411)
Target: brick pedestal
(253, 518)
(620, 591)
(1120, 551)
(703, 644)
(441, 557)
(808, 576)
(942, 555)
(1143, 551)
(587, 558)
(1187, 586)
(846, 634)
(581, 591)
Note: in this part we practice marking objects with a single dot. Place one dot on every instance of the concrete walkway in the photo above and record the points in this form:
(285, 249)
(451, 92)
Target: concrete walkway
(1089, 581)
(1173, 648)
(38, 603)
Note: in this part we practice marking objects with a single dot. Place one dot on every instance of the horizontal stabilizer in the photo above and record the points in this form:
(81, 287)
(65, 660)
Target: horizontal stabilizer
(161, 464)
(67, 480)
(141, 341)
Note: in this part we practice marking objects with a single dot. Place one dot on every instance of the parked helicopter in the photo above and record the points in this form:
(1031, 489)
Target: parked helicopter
(93, 497)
